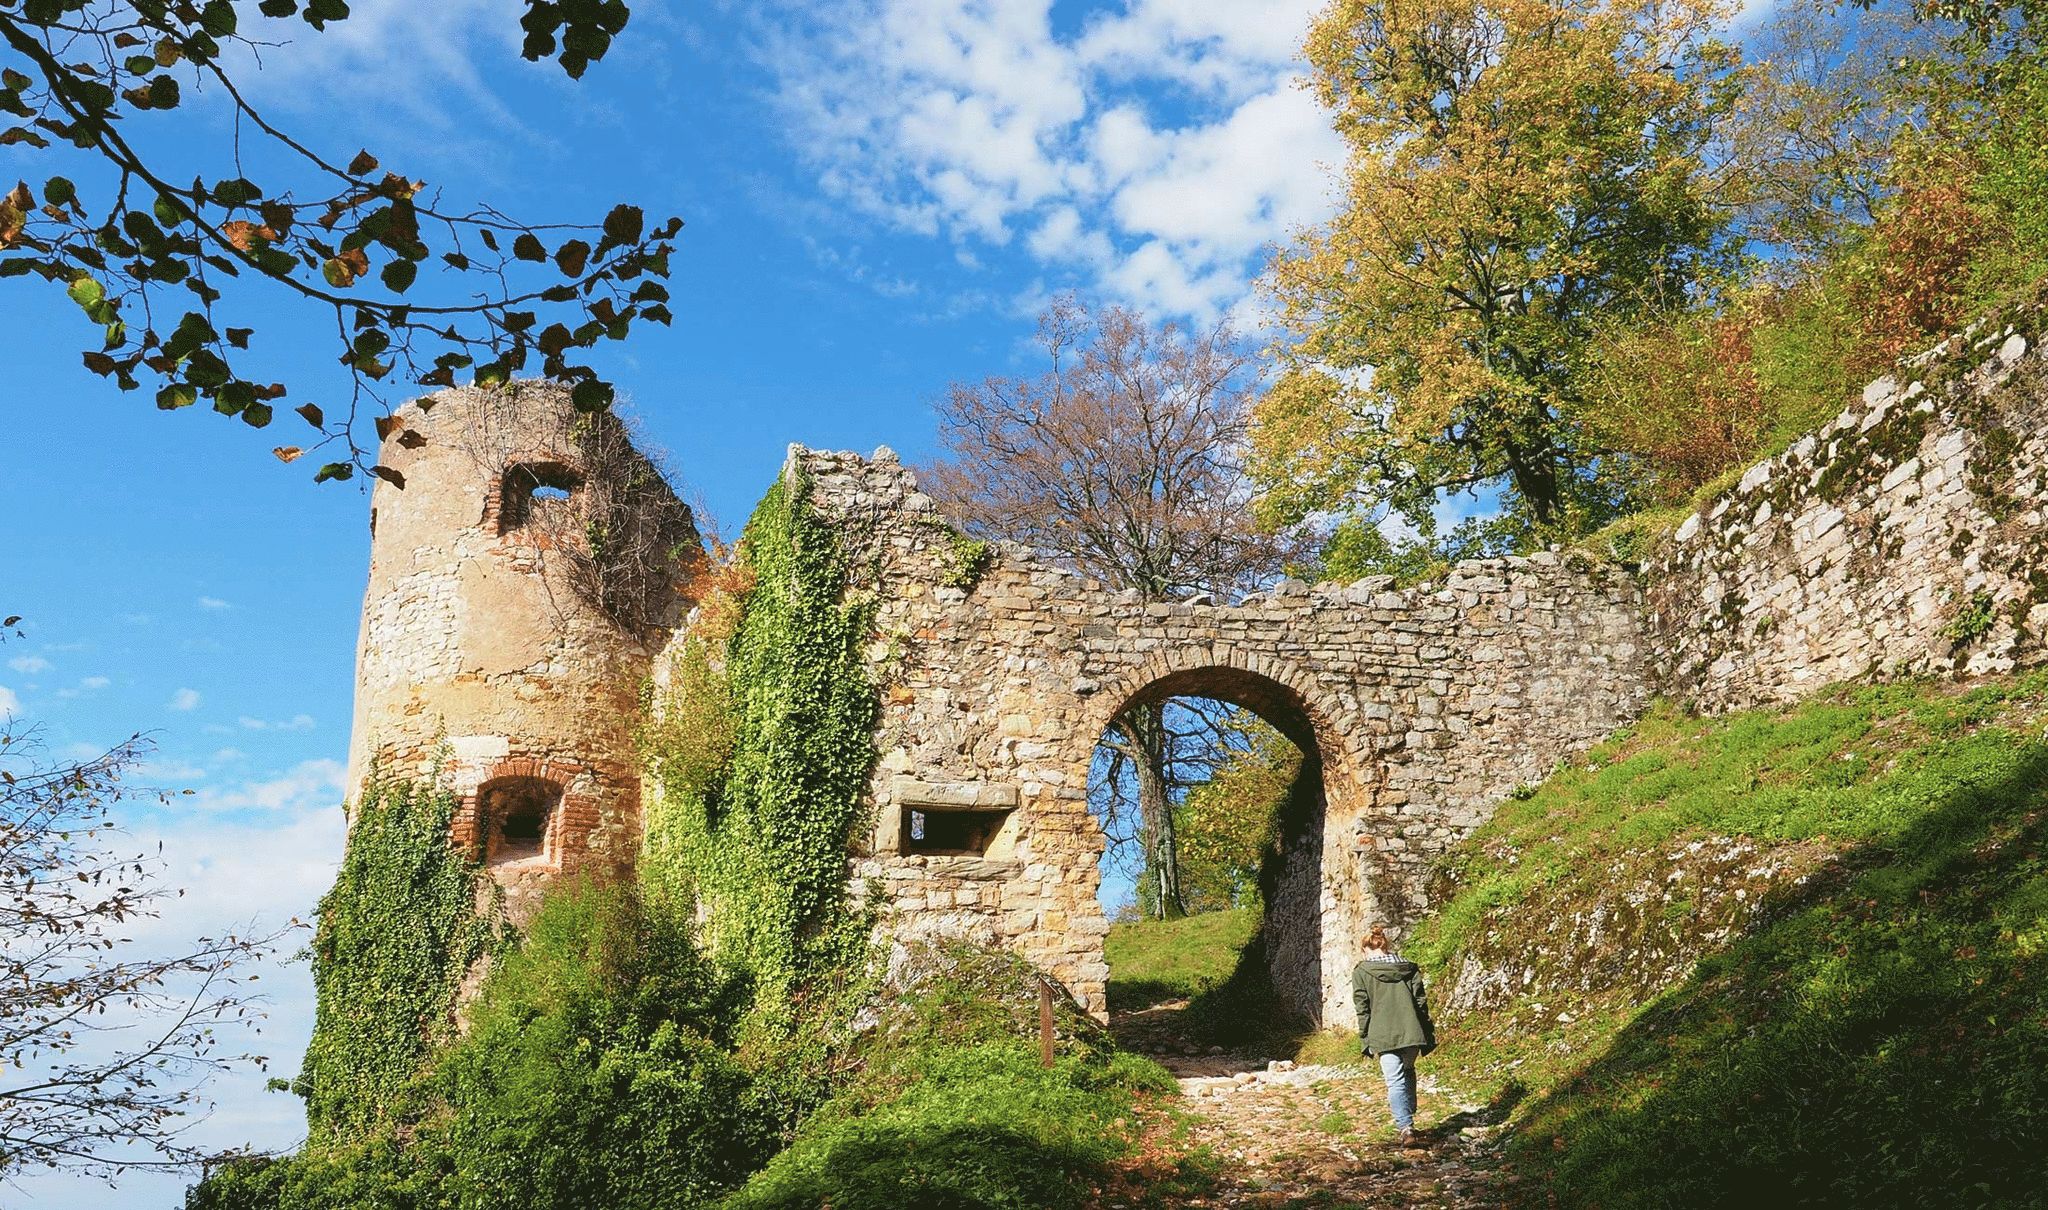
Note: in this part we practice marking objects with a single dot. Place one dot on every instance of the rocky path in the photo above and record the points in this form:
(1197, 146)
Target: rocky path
(1280, 1134)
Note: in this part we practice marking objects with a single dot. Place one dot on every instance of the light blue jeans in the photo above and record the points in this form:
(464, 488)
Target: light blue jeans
(1398, 1066)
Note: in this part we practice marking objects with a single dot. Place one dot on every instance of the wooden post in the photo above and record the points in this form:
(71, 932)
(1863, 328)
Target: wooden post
(1044, 1023)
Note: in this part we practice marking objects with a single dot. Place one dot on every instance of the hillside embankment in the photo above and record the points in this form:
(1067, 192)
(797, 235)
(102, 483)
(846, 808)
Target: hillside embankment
(1790, 956)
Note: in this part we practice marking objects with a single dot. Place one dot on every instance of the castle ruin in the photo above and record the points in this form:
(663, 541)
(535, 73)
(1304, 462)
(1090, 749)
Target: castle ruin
(508, 629)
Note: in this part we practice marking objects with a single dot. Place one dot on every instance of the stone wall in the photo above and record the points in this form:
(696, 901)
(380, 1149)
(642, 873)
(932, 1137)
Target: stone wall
(1907, 536)
(479, 662)
(1425, 706)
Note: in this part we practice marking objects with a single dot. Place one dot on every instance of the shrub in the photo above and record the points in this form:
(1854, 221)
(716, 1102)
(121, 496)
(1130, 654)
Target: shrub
(979, 1125)
(396, 934)
(593, 1072)
(1681, 395)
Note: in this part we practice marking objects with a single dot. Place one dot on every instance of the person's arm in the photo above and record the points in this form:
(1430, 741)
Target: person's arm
(1422, 1011)
(1362, 998)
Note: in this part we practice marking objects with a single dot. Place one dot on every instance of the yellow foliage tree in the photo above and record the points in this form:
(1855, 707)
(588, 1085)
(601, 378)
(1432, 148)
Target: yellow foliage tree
(1519, 171)
(1227, 822)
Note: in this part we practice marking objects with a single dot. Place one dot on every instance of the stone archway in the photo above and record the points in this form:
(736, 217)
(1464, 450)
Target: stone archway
(1426, 705)
(1302, 935)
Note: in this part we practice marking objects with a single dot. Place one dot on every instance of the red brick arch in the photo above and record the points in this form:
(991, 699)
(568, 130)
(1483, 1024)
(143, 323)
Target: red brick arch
(576, 816)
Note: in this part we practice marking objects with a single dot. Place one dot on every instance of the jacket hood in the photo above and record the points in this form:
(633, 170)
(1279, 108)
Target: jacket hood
(1390, 970)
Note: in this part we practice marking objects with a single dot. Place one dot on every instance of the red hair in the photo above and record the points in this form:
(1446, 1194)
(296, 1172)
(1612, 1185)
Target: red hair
(1376, 940)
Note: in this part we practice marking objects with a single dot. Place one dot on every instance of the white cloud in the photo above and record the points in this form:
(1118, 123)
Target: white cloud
(1063, 235)
(163, 773)
(1169, 132)
(94, 682)
(213, 603)
(250, 878)
(226, 755)
(297, 722)
(306, 786)
(184, 699)
(29, 665)
(9, 703)
(1221, 48)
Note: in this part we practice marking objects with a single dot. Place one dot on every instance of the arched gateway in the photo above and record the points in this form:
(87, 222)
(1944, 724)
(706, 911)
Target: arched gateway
(1418, 709)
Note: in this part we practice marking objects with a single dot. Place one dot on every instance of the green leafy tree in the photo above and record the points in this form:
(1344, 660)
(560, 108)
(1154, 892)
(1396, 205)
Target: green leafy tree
(1519, 169)
(418, 288)
(1227, 822)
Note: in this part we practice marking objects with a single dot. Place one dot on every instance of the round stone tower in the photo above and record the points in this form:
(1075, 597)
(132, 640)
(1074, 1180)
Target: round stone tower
(525, 564)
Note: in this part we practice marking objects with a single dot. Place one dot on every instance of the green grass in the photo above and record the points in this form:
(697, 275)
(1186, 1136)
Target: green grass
(963, 1125)
(1330, 1047)
(1879, 1031)
(1151, 961)
(946, 1105)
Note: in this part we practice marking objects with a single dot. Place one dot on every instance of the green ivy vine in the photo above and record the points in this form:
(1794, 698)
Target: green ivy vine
(765, 758)
(395, 936)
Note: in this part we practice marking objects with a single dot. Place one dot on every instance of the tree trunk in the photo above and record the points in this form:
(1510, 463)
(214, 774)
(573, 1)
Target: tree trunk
(1146, 728)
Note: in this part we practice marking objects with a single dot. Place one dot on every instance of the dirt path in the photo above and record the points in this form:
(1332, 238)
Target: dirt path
(1279, 1134)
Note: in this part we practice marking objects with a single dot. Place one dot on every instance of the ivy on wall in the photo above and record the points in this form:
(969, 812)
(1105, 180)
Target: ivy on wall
(765, 754)
(395, 936)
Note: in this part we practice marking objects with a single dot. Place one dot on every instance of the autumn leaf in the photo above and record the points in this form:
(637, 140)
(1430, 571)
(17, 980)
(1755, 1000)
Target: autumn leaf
(342, 270)
(287, 453)
(624, 224)
(363, 165)
(572, 258)
(239, 232)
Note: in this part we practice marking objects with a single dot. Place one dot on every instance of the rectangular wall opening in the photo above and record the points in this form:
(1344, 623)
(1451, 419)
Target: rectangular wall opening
(943, 832)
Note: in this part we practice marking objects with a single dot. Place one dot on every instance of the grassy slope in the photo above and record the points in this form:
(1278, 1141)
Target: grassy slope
(1155, 960)
(1877, 1035)
(945, 1104)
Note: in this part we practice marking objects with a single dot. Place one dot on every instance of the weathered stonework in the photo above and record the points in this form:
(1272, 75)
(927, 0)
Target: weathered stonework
(479, 663)
(1910, 535)
(1423, 707)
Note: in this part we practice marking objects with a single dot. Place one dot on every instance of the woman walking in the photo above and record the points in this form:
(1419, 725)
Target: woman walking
(1393, 1023)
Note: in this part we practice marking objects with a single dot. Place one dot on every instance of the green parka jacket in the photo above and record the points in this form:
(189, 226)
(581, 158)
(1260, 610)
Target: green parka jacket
(1393, 1007)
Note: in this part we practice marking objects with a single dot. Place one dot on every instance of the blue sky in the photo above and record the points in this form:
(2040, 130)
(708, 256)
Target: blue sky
(878, 196)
